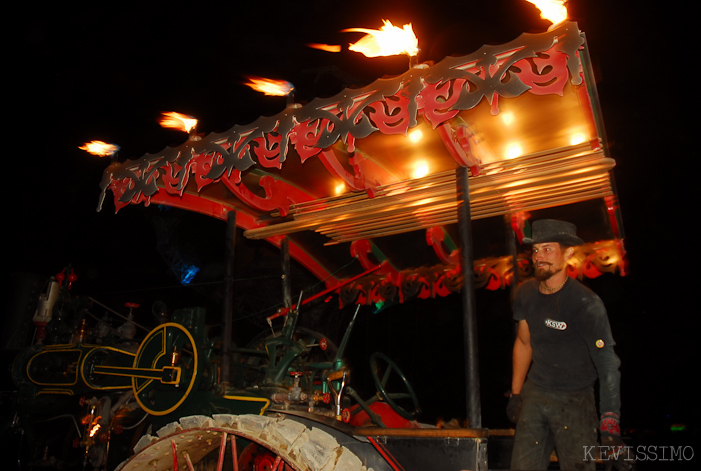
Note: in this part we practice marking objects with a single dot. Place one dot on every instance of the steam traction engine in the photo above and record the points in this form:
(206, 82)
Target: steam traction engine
(287, 399)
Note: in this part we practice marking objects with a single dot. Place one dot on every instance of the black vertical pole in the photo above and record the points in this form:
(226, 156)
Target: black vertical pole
(228, 305)
(474, 412)
(286, 281)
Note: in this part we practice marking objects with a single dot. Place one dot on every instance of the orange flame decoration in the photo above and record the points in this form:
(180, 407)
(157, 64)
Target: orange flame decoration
(100, 148)
(551, 10)
(178, 121)
(270, 87)
(387, 41)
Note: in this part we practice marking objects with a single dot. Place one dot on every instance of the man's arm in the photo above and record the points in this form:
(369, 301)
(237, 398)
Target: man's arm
(600, 344)
(607, 366)
(597, 335)
(522, 356)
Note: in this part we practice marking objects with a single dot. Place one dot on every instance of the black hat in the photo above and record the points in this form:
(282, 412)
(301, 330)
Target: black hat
(553, 230)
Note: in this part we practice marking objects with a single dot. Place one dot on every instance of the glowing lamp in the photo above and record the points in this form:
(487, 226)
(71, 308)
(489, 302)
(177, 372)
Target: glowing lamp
(420, 169)
(415, 136)
(513, 150)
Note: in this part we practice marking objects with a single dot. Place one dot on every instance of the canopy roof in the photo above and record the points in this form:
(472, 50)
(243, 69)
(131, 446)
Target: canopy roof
(337, 176)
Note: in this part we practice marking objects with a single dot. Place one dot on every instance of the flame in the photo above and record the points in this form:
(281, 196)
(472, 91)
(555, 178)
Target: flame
(270, 87)
(100, 148)
(552, 10)
(179, 121)
(387, 41)
(326, 47)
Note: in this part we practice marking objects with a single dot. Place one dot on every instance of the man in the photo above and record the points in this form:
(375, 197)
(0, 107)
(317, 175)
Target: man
(563, 345)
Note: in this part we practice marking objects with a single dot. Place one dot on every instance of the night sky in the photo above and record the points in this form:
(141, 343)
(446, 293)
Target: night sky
(107, 71)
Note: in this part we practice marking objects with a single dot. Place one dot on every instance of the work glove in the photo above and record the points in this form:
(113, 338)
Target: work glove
(513, 407)
(613, 449)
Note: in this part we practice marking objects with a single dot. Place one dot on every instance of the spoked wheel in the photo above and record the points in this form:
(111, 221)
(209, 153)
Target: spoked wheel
(256, 457)
(393, 387)
(241, 443)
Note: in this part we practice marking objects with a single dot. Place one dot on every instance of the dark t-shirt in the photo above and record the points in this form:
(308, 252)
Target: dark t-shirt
(569, 332)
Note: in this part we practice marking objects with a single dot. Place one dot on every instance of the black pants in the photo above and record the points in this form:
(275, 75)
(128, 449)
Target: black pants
(563, 420)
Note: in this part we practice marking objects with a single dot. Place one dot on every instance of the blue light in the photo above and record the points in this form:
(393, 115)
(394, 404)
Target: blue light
(188, 273)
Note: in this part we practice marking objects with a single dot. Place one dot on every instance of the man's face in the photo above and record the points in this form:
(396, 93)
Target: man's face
(548, 259)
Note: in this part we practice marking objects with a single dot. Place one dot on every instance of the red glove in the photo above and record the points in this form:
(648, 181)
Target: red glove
(609, 424)
(613, 446)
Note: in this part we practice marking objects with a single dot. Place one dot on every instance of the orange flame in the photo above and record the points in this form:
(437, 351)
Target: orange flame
(552, 10)
(100, 148)
(270, 87)
(326, 47)
(387, 41)
(178, 121)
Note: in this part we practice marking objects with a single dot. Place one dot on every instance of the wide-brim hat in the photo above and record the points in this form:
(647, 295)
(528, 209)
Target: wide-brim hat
(553, 230)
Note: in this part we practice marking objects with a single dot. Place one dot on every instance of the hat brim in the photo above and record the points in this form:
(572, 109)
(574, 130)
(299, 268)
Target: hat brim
(565, 239)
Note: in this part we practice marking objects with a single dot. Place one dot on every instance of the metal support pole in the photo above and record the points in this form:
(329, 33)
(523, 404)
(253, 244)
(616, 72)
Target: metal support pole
(286, 280)
(228, 305)
(474, 413)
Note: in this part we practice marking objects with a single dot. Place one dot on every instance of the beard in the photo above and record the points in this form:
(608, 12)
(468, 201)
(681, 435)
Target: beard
(544, 273)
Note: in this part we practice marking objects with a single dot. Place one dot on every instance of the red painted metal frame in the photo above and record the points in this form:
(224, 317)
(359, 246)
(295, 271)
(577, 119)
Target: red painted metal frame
(540, 64)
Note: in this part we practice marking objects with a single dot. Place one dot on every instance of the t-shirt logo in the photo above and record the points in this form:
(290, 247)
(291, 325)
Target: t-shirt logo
(557, 325)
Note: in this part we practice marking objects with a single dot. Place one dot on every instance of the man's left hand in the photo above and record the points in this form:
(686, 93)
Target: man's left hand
(613, 448)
